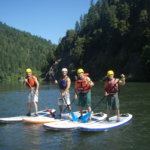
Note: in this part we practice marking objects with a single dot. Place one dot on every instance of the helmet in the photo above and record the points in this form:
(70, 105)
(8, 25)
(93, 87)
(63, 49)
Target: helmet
(28, 70)
(80, 71)
(110, 72)
(64, 70)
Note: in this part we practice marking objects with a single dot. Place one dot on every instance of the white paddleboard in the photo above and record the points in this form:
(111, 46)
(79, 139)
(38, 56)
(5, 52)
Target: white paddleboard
(105, 125)
(49, 119)
(44, 119)
(67, 124)
(20, 118)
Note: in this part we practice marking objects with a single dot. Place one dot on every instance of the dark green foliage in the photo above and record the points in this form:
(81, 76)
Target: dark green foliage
(20, 50)
(114, 34)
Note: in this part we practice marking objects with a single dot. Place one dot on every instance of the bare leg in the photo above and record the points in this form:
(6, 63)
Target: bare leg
(81, 111)
(108, 113)
(69, 107)
(89, 109)
(60, 109)
(29, 107)
(35, 107)
(118, 114)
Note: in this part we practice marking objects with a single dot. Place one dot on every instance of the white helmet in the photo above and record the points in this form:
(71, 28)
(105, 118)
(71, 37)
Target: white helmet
(64, 70)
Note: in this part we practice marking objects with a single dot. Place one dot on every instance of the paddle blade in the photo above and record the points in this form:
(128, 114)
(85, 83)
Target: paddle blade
(86, 117)
(74, 117)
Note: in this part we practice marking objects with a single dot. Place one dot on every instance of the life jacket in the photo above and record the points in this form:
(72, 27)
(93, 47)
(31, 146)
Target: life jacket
(63, 83)
(31, 81)
(86, 74)
(82, 85)
(111, 87)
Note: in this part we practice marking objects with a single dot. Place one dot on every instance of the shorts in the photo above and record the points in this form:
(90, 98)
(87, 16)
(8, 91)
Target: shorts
(112, 102)
(64, 100)
(32, 97)
(84, 99)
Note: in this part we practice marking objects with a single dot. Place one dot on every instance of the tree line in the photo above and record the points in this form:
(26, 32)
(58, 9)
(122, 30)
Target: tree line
(20, 50)
(114, 34)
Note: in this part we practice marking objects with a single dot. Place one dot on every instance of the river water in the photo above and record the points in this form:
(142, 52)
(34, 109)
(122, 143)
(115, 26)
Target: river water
(134, 99)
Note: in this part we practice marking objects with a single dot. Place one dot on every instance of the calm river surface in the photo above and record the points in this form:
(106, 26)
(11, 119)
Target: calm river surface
(134, 99)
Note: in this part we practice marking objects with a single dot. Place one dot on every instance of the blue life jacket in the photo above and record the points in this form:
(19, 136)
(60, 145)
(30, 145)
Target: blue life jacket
(62, 84)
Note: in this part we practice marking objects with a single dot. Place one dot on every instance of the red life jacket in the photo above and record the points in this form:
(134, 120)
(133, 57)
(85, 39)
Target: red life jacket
(82, 85)
(31, 81)
(111, 87)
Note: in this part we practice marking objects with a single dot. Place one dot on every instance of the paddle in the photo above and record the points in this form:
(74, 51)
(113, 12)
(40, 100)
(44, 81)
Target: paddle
(85, 118)
(74, 117)
(67, 105)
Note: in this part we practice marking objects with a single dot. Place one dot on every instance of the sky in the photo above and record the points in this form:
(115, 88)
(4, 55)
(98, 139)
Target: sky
(49, 19)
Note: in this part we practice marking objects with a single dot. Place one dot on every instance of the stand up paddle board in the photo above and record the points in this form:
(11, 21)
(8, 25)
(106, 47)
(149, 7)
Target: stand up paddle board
(68, 124)
(44, 119)
(20, 118)
(105, 125)
(49, 119)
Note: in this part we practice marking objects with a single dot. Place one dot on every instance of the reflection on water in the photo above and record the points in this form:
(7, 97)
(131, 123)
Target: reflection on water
(134, 98)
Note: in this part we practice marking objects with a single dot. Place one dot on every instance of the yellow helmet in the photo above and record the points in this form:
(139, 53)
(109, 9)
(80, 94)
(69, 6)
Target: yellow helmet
(110, 72)
(28, 70)
(80, 71)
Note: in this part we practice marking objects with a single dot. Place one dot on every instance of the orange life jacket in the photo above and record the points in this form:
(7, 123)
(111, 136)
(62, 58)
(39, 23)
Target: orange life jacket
(31, 81)
(111, 87)
(82, 85)
(86, 74)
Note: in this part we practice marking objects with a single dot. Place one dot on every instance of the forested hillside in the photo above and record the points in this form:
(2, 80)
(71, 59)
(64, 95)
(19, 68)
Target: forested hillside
(20, 50)
(114, 34)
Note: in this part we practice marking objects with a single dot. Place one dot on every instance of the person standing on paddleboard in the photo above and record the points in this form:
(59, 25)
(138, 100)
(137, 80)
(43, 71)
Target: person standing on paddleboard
(64, 86)
(82, 90)
(32, 83)
(111, 91)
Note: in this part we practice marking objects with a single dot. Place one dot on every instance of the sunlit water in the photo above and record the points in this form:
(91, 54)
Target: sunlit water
(134, 99)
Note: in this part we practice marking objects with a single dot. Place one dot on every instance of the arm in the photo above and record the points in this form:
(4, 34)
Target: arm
(105, 85)
(75, 92)
(90, 82)
(37, 85)
(56, 82)
(122, 80)
(25, 81)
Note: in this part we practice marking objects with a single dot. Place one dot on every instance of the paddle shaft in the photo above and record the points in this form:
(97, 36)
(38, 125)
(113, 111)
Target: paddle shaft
(99, 102)
(103, 98)
(36, 94)
(67, 104)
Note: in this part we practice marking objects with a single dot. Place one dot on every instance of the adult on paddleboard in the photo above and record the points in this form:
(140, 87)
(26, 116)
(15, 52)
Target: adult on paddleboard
(64, 86)
(111, 87)
(33, 85)
(82, 90)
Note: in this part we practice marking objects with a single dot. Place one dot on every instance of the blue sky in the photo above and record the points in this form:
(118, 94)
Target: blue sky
(49, 19)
